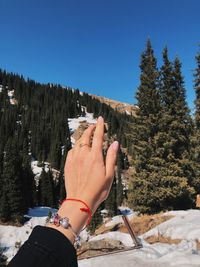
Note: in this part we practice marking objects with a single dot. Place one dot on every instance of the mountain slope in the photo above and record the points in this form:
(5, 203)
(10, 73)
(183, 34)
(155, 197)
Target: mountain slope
(118, 106)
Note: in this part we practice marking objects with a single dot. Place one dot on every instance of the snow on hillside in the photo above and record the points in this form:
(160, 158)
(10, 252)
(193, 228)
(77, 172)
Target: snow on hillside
(74, 123)
(184, 225)
(157, 255)
(38, 170)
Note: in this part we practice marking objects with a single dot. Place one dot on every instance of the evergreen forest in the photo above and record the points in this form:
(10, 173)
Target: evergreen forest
(161, 143)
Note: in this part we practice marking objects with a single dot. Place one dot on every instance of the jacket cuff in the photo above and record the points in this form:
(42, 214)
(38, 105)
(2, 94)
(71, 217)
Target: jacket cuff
(56, 242)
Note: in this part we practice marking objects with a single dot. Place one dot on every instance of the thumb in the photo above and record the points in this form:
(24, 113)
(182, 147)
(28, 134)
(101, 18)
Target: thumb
(111, 159)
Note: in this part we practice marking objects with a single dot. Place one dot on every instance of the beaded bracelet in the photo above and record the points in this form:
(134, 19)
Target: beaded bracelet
(64, 222)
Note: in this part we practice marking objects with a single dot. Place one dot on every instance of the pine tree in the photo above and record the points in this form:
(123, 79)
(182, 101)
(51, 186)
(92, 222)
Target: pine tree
(5, 214)
(38, 125)
(62, 191)
(195, 155)
(27, 183)
(12, 182)
(46, 189)
(111, 201)
(163, 178)
(120, 167)
(197, 90)
(144, 131)
(176, 128)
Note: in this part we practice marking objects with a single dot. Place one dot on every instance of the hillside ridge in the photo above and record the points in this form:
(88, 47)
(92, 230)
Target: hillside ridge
(121, 107)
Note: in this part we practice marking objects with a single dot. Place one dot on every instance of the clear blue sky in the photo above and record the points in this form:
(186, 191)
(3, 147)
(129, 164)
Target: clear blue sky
(95, 45)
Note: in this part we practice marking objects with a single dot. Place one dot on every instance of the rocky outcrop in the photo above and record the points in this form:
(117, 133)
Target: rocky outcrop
(83, 126)
(98, 247)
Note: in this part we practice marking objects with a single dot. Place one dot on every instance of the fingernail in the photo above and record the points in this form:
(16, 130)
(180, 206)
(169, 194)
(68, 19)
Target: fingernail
(100, 119)
(115, 145)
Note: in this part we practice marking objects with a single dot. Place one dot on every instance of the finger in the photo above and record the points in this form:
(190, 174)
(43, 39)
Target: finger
(97, 143)
(111, 159)
(69, 155)
(85, 138)
(68, 158)
(87, 134)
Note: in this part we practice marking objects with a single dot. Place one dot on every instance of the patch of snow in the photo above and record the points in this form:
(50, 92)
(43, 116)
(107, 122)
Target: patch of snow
(73, 141)
(62, 150)
(74, 123)
(12, 101)
(38, 170)
(11, 93)
(184, 225)
(157, 255)
(9, 235)
(84, 235)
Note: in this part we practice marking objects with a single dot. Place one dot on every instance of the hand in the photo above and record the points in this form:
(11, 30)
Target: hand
(87, 177)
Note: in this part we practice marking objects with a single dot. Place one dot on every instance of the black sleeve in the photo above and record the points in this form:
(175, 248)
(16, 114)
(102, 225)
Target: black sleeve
(46, 247)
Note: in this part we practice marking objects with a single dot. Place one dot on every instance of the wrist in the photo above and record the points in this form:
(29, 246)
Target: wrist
(77, 219)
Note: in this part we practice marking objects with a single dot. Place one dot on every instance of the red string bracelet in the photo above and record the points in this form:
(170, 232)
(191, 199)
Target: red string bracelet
(87, 209)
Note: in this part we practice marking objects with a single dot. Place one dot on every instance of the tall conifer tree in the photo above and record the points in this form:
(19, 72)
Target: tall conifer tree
(46, 189)
(163, 170)
(142, 186)
(196, 136)
(12, 181)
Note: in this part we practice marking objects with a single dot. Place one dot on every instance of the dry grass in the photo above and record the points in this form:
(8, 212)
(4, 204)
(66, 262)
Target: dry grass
(162, 239)
(144, 223)
(140, 224)
(103, 229)
(10, 223)
(198, 245)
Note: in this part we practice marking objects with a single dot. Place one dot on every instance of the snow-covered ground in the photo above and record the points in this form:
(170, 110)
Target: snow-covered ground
(185, 225)
(12, 236)
(157, 255)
